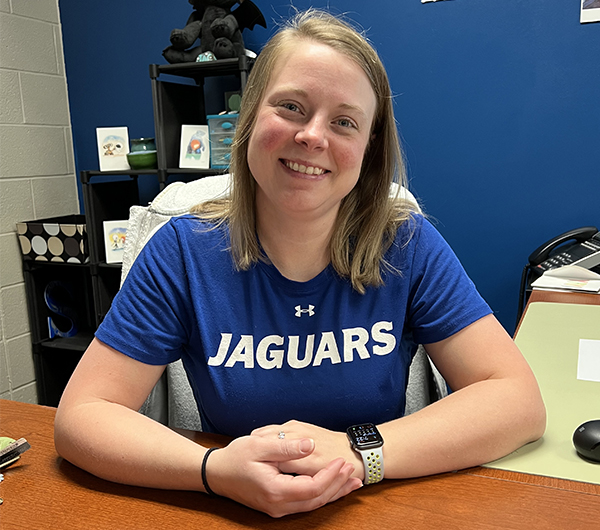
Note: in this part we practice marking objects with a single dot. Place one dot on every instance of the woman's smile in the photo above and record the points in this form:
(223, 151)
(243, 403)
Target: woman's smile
(304, 168)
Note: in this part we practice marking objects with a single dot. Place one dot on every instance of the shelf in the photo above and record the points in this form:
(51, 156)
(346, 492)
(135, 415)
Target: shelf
(196, 70)
(105, 265)
(31, 265)
(84, 175)
(205, 172)
(125, 172)
(79, 342)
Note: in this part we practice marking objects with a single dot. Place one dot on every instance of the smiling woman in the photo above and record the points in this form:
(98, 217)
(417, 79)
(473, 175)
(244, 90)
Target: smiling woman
(297, 305)
(367, 221)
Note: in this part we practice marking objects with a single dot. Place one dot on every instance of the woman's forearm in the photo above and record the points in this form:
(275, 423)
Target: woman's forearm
(121, 445)
(477, 424)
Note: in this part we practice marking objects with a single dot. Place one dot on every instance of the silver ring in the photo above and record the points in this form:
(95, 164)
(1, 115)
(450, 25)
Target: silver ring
(281, 435)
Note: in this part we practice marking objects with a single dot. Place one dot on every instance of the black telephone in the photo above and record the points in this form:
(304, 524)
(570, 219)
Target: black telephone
(575, 247)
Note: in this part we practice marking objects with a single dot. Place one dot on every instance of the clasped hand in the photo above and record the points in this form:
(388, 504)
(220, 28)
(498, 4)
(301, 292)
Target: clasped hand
(328, 446)
(307, 469)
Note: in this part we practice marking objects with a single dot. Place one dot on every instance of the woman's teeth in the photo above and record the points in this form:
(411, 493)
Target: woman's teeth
(308, 170)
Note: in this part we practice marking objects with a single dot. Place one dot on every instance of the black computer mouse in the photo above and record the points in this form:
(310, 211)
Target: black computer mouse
(586, 440)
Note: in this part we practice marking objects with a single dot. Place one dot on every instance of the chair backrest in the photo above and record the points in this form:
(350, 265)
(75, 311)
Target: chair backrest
(171, 401)
(176, 199)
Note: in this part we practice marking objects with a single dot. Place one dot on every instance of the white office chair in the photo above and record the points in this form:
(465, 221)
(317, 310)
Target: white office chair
(171, 402)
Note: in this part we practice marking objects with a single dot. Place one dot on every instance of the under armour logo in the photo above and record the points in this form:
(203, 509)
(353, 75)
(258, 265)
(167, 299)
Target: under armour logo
(310, 310)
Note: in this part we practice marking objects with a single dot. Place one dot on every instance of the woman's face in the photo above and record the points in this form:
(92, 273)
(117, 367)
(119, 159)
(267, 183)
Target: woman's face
(312, 128)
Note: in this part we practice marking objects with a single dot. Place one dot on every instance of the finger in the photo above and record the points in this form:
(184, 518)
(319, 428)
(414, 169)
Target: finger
(288, 428)
(305, 488)
(267, 430)
(284, 450)
(342, 483)
(333, 482)
(312, 504)
(352, 484)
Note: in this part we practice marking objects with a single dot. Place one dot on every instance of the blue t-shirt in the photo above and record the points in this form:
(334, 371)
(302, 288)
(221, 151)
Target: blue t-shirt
(261, 349)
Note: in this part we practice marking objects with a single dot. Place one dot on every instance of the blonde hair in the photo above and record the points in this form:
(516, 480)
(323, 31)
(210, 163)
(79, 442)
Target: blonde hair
(368, 218)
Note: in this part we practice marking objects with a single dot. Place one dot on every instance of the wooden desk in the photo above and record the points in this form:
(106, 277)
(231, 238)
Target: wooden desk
(42, 491)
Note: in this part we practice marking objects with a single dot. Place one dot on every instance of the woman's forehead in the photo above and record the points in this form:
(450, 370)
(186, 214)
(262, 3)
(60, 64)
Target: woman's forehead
(296, 57)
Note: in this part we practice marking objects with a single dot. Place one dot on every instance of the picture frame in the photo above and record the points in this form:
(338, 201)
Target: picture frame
(233, 101)
(195, 147)
(113, 147)
(590, 11)
(115, 235)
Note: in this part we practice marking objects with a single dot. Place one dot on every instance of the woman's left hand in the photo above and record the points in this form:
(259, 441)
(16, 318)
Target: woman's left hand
(329, 445)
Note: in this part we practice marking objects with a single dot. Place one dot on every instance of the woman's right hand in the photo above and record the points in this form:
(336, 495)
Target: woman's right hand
(247, 471)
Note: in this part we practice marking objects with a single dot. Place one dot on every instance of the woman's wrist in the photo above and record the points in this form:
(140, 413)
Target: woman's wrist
(203, 472)
(216, 472)
(351, 456)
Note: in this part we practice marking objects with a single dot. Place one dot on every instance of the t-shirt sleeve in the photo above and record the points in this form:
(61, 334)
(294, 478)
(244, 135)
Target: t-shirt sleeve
(443, 299)
(149, 319)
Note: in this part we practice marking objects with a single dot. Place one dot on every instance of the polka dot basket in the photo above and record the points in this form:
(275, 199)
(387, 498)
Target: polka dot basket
(57, 239)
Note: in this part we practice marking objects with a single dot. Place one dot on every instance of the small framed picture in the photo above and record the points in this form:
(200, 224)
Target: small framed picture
(115, 233)
(590, 11)
(113, 146)
(195, 147)
(233, 101)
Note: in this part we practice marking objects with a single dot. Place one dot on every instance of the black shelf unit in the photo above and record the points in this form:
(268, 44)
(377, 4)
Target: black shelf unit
(55, 358)
(169, 112)
(108, 195)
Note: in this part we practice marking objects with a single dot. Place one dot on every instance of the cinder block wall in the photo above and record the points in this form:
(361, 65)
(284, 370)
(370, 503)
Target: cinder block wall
(37, 175)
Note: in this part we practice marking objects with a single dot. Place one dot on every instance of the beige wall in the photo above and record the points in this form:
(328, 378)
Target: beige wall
(37, 175)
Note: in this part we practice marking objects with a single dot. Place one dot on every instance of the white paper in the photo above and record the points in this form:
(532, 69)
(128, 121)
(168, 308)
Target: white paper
(588, 365)
(573, 272)
(569, 277)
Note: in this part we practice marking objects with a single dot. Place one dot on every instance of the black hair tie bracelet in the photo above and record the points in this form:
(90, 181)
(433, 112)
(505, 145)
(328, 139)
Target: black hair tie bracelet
(210, 492)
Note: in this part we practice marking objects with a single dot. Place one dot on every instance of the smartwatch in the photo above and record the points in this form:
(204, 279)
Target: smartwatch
(366, 441)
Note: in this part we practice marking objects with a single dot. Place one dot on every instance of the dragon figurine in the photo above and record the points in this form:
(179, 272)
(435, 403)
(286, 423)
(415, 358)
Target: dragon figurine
(218, 28)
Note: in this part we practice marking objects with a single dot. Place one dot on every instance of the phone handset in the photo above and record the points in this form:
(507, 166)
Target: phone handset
(542, 253)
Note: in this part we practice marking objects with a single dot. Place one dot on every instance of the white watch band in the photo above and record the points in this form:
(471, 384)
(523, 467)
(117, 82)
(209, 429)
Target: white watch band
(373, 462)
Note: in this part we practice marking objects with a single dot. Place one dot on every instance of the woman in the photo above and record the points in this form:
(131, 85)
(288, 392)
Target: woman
(297, 307)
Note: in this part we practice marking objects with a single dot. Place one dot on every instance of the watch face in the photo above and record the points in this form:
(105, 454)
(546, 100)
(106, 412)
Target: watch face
(364, 436)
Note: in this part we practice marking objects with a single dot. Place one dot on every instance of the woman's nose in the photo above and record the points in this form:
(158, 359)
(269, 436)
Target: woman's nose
(313, 134)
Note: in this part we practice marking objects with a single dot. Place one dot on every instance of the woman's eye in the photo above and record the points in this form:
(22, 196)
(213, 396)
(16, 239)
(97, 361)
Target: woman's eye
(346, 123)
(290, 106)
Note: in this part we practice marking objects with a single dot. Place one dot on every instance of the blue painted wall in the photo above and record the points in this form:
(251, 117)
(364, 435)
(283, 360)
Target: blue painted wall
(497, 105)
